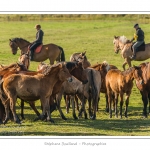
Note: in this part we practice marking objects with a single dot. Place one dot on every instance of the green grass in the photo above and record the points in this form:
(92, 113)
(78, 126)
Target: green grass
(94, 36)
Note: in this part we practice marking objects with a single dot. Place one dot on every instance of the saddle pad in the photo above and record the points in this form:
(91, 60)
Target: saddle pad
(140, 48)
(38, 49)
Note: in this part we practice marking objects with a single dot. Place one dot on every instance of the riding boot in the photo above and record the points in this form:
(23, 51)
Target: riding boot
(31, 55)
(133, 57)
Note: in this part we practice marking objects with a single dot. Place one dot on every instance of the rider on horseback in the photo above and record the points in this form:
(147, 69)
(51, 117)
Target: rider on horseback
(38, 41)
(139, 37)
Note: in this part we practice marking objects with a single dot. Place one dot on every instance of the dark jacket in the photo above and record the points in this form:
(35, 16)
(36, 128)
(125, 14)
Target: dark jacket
(140, 34)
(39, 36)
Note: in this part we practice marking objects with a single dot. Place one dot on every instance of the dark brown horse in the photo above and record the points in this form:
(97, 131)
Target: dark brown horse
(144, 85)
(120, 83)
(49, 51)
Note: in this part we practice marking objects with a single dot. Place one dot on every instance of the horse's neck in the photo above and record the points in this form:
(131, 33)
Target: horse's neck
(121, 45)
(128, 77)
(23, 46)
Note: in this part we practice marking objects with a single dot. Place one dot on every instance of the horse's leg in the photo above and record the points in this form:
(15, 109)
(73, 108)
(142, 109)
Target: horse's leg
(107, 107)
(73, 107)
(67, 101)
(121, 104)
(149, 101)
(77, 104)
(145, 102)
(58, 100)
(115, 103)
(6, 106)
(98, 103)
(22, 109)
(95, 103)
(13, 99)
(83, 102)
(124, 64)
(127, 103)
(32, 105)
(48, 110)
(51, 61)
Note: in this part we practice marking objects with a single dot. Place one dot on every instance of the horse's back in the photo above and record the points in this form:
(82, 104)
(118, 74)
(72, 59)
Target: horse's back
(112, 78)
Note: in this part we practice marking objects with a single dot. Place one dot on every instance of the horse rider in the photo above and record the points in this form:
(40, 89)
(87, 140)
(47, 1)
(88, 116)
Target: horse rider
(139, 37)
(37, 42)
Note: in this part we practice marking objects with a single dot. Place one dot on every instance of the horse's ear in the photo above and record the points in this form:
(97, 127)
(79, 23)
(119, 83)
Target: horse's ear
(61, 65)
(115, 37)
(10, 40)
(84, 52)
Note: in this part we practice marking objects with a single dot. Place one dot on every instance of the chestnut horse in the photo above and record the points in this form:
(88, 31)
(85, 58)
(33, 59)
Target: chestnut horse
(49, 51)
(33, 88)
(123, 44)
(120, 82)
(144, 85)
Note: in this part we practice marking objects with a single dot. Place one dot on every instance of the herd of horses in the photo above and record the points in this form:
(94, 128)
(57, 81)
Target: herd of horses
(77, 80)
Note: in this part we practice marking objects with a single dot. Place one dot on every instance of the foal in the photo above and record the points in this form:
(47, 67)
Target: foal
(119, 83)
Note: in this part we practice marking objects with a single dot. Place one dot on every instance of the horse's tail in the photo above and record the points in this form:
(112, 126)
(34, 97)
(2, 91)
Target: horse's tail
(93, 90)
(62, 56)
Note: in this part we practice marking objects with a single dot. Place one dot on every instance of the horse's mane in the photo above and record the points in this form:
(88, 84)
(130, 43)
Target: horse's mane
(123, 39)
(126, 72)
(48, 68)
(16, 39)
(70, 65)
(98, 64)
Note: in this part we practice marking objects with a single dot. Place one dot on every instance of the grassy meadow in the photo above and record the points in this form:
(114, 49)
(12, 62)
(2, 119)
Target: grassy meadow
(95, 37)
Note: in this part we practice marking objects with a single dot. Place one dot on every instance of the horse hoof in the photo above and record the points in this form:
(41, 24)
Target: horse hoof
(36, 119)
(107, 110)
(92, 118)
(19, 122)
(51, 120)
(75, 117)
(64, 118)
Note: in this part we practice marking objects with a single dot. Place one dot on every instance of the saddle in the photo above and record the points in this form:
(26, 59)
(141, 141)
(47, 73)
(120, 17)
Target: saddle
(38, 49)
(140, 48)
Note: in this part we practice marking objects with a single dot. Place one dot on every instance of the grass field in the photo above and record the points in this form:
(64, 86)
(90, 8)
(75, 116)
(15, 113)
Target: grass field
(95, 37)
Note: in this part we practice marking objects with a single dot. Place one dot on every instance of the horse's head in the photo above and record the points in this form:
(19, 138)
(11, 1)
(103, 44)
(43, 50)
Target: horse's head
(138, 74)
(13, 45)
(76, 69)
(116, 44)
(24, 59)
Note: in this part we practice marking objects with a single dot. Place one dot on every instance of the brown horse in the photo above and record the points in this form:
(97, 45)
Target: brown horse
(33, 88)
(81, 57)
(75, 69)
(123, 44)
(120, 82)
(4, 72)
(144, 85)
(49, 51)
